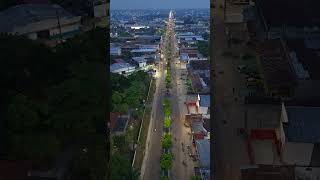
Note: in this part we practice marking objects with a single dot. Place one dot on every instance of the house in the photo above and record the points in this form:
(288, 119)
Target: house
(300, 136)
(198, 131)
(201, 67)
(140, 61)
(203, 104)
(39, 21)
(144, 51)
(287, 137)
(203, 153)
(118, 123)
(115, 51)
(122, 68)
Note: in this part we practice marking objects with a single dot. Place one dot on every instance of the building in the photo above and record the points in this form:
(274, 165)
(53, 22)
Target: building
(39, 21)
(122, 68)
(203, 104)
(289, 136)
(198, 131)
(140, 61)
(115, 51)
(118, 123)
(144, 50)
(277, 68)
(203, 152)
(288, 18)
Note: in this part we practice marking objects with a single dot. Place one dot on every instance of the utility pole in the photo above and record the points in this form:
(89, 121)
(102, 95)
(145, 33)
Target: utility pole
(59, 25)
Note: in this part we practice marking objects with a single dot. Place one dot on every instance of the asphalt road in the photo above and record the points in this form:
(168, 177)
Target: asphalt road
(179, 131)
(151, 165)
(150, 169)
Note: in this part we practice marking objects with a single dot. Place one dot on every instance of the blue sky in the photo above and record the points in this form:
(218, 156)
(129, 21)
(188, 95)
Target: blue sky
(162, 4)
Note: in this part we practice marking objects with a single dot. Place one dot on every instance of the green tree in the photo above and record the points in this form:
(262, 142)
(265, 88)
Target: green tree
(166, 161)
(167, 122)
(164, 178)
(120, 168)
(203, 48)
(195, 178)
(121, 143)
(167, 141)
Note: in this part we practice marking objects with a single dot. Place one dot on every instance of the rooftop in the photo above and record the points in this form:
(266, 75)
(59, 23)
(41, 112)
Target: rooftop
(142, 50)
(117, 66)
(199, 65)
(139, 59)
(204, 100)
(266, 172)
(121, 124)
(303, 124)
(290, 12)
(276, 67)
(197, 127)
(24, 14)
(203, 147)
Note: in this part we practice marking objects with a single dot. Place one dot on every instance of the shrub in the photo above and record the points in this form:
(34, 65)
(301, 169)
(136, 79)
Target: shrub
(167, 122)
(167, 141)
(166, 161)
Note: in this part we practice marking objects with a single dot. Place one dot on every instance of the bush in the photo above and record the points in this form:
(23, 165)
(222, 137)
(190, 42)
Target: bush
(164, 178)
(167, 122)
(167, 111)
(166, 161)
(167, 141)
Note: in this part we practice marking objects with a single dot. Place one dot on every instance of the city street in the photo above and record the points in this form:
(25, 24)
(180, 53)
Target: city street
(181, 134)
(151, 164)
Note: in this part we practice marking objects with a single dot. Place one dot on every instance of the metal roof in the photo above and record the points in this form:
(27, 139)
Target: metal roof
(203, 147)
(116, 66)
(22, 15)
(204, 100)
(142, 50)
(303, 124)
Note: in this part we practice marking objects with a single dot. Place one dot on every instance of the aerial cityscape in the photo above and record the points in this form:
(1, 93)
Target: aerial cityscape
(160, 78)
(160, 90)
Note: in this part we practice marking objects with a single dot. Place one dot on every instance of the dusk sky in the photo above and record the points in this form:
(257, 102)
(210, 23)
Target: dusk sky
(161, 4)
